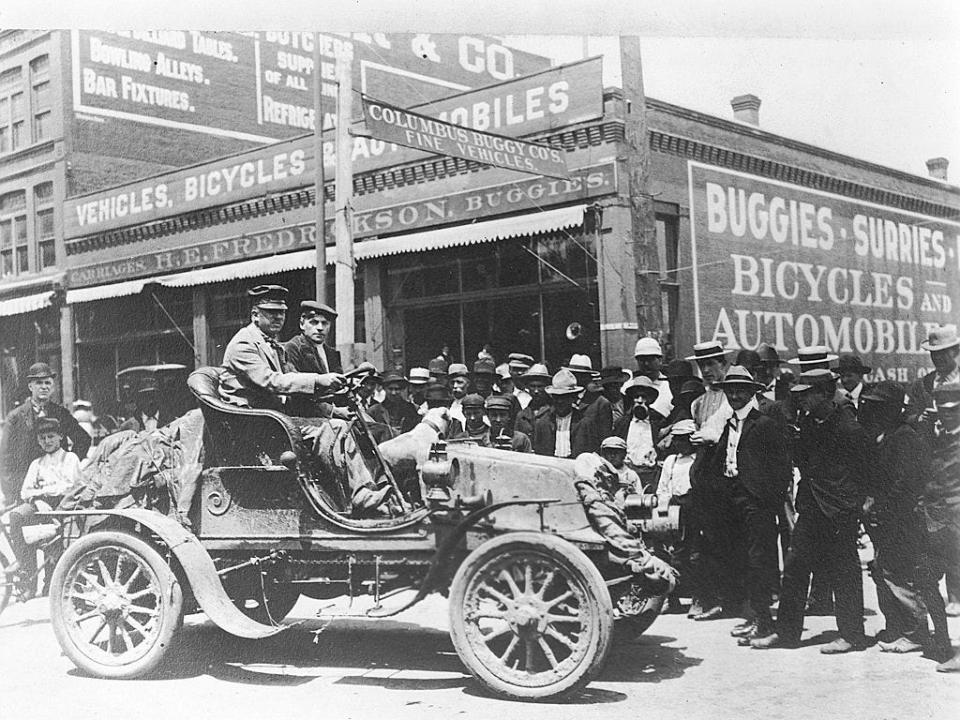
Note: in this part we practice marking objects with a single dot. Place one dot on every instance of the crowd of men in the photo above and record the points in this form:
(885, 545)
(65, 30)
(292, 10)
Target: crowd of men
(756, 455)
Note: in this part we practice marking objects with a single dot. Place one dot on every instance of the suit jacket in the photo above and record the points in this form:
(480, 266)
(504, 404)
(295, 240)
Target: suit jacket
(595, 425)
(19, 447)
(254, 372)
(544, 437)
(763, 460)
(302, 356)
(831, 453)
(402, 418)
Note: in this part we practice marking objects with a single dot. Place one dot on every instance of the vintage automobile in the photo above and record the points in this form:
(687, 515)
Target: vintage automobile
(533, 593)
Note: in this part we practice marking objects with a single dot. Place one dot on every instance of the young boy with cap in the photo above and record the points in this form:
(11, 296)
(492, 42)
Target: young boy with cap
(614, 451)
(48, 479)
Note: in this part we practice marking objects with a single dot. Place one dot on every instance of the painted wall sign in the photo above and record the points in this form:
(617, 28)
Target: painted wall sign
(368, 222)
(258, 86)
(781, 264)
(421, 132)
(516, 108)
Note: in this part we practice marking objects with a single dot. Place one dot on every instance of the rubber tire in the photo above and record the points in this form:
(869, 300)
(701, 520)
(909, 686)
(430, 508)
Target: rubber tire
(171, 620)
(639, 624)
(6, 590)
(562, 552)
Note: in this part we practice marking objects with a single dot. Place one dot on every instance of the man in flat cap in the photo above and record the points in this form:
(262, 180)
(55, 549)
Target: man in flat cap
(308, 352)
(395, 410)
(458, 377)
(254, 370)
(18, 446)
(488, 423)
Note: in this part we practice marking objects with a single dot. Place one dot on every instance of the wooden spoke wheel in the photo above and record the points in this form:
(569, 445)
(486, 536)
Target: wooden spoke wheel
(530, 616)
(115, 605)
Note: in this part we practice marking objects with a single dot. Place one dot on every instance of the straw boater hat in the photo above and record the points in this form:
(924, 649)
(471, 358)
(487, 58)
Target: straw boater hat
(563, 383)
(812, 378)
(813, 355)
(739, 376)
(647, 346)
(419, 376)
(642, 385)
(709, 349)
(941, 338)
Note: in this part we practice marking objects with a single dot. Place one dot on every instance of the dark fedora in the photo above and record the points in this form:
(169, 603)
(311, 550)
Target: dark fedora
(813, 378)
(852, 363)
(748, 358)
(436, 392)
(709, 349)
(269, 297)
(768, 354)
(613, 376)
(679, 369)
(887, 392)
(308, 308)
(40, 370)
(693, 386)
(391, 378)
(485, 366)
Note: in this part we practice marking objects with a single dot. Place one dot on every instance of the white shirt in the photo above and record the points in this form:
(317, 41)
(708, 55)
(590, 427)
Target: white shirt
(629, 481)
(674, 478)
(54, 473)
(523, 397)
(733, 438)
(562, 446)
(640, 450)
(149, 421)
(854, 395)
(664, 402)
(456, 412)
(711, 412)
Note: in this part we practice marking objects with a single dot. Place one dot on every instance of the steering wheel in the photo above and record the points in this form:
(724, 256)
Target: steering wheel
(353, 378)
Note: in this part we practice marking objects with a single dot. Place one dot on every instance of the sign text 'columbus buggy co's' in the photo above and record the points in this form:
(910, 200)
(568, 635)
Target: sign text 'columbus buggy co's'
(777, 263)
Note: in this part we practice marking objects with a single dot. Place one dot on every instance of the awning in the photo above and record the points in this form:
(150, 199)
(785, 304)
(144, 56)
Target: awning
(25, 304)
(442, 238)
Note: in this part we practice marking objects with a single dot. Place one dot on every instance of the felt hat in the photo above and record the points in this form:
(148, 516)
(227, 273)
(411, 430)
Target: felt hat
(613, 376)
(485, 366)
(563, 383)
(852, 363)
(269, 297)
(813, 355)
(537, 371)
(739, 376)
(39, 371)
(438, 367)
(679, 369)
(580, 364)
(748, 358)
(647, 346)
(887, 392)
(391, 378)
(642, 385)
(436, 391)
(812, 378)
(941, 338)
(309, 308)
(692, 386)
(709, 349)
(457, 370)
(768, 354)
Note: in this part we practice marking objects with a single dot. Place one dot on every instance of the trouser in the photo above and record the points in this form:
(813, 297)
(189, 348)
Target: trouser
(338, 460)
(753, 528)
(896, 572)
(953, 585)
(722, 556)
(828, 546)
(943, 556)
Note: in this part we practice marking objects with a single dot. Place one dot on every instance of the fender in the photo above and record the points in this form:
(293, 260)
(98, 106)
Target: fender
(198, 567)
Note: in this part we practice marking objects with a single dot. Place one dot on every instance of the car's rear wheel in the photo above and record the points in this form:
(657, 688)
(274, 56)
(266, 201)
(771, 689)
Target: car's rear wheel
(530, 616)
(115, 605)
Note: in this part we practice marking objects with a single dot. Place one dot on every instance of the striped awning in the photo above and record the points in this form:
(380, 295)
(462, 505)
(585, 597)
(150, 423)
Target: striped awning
(26, 303)
(439, 239)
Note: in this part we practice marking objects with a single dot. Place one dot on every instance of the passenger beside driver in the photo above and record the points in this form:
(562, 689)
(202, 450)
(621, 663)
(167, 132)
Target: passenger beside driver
(308, 352)
(48, 479)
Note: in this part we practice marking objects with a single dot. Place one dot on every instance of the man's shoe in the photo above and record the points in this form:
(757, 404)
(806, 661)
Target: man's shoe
(953, 609)
(840, 646)
(713, 613)
(695, 609)
(886, 636)
(951, 665)
(900, 646)
(744, 629)
(773, 640)
(365, 498)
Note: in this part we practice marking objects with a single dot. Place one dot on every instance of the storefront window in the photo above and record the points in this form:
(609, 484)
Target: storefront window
(13, 234)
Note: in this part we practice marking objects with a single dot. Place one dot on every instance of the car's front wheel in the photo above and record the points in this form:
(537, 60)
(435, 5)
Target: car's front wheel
(115, 605)
(530, 616)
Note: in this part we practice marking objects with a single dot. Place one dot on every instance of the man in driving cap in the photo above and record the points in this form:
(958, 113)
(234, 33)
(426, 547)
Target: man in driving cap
(489, 424)
(255, 371)
(831, 453)
(18, 446)
(518, 364)
(308, 352)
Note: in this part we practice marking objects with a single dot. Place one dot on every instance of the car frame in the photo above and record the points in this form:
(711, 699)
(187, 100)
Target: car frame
(533, 592)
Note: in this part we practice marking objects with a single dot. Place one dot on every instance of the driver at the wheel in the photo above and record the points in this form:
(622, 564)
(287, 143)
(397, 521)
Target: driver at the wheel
(255, 375)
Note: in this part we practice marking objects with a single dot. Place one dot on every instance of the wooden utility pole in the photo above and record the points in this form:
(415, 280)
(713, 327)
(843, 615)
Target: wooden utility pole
(344, 219)
(642, 215)
(319, 179)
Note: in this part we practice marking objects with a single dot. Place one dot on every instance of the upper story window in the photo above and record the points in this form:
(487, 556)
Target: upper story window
(12, 111)
(14, 254)
(46, 240)
(41, 97)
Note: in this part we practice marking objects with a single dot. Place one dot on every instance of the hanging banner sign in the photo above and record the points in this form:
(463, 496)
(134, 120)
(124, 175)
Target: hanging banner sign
(789, 266)
(420, 132)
